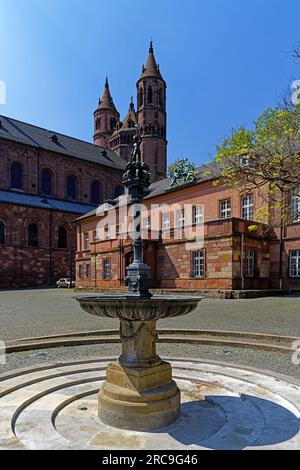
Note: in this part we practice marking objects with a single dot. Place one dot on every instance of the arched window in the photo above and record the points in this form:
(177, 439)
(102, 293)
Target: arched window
(33, 235)
(140, 97)
(46, 182)
(118, 191)
(2, 232)
(62, 237)
(150, 94)
(16, 176)
(96, 192)
(71, 187)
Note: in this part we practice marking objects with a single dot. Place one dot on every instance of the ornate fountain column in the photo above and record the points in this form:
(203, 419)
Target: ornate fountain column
(139, 392)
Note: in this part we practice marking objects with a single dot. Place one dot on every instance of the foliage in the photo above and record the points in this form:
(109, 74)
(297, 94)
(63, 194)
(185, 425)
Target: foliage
(266, 158)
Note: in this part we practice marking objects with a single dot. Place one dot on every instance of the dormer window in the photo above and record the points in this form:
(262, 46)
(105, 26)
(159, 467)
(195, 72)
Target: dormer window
(54, 138)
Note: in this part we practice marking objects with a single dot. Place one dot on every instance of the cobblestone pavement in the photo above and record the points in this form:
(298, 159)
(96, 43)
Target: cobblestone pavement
(41, 312)
(268, 360)
(29, 313)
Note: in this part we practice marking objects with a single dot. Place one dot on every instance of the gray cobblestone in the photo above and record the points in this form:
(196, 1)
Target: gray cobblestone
(28, 313)
(277, 362)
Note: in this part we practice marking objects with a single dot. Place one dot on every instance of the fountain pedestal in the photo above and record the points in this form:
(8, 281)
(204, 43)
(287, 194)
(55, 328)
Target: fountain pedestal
(139, 392)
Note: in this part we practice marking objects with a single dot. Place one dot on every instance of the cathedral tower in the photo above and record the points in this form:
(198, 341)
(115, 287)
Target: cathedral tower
(151, 116)
(106, 117)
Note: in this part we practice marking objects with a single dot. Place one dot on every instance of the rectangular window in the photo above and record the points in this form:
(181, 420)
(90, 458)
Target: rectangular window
(247, 207)
(106, 269)
(106, 233)
(86, 241)
(295, 205)
(225, 209)
(117, 231)
(146, 223)
(250, 267)
(294, 262)
(80, 271)
(180, 218)
(198, 214)
(95, 236)
(166, 221)
(87, 270)
(198, 264)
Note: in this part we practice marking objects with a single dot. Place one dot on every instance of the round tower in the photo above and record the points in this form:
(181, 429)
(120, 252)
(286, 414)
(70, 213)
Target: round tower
(106, 117)
(152, 117)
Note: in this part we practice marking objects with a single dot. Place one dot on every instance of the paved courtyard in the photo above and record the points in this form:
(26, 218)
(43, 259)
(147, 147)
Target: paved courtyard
(37, 312)
(41, 312)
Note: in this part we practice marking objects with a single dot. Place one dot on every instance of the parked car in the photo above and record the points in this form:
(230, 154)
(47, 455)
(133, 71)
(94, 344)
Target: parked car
(65, 282)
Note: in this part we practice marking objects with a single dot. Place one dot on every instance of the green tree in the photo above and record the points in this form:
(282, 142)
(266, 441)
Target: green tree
(265, 158)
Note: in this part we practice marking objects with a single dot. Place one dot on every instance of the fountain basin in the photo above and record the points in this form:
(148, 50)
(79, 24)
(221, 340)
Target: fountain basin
(139, 392)
(127, 307)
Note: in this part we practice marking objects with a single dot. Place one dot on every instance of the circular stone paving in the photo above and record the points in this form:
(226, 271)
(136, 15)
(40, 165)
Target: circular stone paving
(55, 406)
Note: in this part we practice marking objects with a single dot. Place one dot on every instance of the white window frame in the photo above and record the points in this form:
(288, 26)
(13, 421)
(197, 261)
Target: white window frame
(106, 233)
(106, 262)
(295, 205)
(247, 207)
(166, 221)
(88, 270)
(294, 263)
(80, 271)
(95, 236)
(198, 264)
(180, 218)
(250, 262)
(86, 241)
(198, 214)
(225, 208)
(146, 223)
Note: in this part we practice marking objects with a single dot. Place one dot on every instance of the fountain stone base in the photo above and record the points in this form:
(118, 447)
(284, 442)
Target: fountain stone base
(139, 393)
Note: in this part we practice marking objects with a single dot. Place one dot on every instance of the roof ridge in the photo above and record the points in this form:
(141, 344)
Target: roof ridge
(54, 132)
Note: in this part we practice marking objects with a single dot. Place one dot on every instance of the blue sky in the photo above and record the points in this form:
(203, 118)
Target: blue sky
(224, 61)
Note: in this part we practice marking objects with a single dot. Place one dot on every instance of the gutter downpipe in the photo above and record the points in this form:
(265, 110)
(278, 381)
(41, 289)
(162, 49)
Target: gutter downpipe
(242, 262)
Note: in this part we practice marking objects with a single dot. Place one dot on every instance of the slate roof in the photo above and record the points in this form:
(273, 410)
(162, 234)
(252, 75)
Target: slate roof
(22, 199)
(205, 172)
(35, 136)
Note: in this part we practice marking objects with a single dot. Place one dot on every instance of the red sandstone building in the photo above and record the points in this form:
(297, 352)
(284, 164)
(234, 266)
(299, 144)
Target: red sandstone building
(46, 181)
(232, 257)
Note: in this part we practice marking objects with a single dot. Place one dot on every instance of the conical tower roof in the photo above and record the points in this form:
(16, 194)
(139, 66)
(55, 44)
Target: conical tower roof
(106, 101)
(150, 69)
(130, 119)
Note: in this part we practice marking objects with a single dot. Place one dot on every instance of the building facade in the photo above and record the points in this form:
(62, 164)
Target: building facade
(46, 181)
(234, 253)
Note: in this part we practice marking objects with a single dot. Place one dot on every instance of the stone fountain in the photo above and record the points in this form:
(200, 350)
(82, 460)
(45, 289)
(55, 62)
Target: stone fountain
(139, 392)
